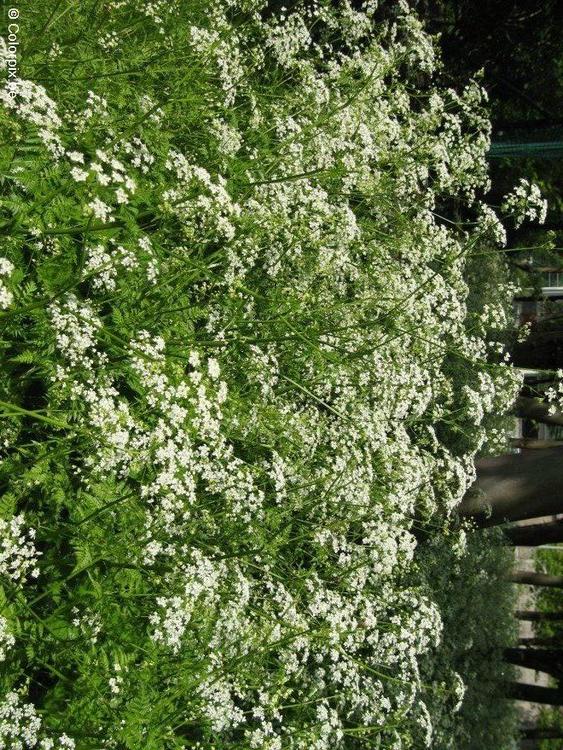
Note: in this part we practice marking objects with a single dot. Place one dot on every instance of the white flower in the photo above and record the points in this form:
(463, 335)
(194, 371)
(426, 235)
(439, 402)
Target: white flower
(18, 556)
(19, 723)
(100, 209)
(213, 368)
(79, 175)
(121, 196)
(76, 157)
(6, 267)
(7, 640)
(6, 296)
(525, 202)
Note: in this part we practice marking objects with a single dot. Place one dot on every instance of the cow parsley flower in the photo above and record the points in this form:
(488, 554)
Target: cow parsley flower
(6, 296)
(19, 723)
(18, 555)
(7, 640)
(525, 202)
(100, 209)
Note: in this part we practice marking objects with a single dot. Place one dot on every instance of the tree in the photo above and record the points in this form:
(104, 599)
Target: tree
(548, 660)
(529, 267)
(536, 579)
(533, 616)
(536, 534)
(522, 691)
(532, 444)
(554, 640)
(514, 487)
(542, 733)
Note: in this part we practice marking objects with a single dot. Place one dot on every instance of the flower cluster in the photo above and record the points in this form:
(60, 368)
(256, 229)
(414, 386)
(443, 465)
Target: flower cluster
(7, 640)
(20, 727)
(32, 104)
(18, 555)
(489, 225)
(19, 723)
(76, 325)
(6, 296)
(525, 202)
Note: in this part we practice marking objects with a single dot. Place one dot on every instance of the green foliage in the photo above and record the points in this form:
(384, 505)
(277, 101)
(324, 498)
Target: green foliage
(478, 611)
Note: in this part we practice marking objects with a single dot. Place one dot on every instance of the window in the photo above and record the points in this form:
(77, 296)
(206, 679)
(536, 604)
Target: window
(552, 283)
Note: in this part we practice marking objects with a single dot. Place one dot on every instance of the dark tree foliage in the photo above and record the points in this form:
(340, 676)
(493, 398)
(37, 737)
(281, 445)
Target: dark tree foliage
(516, 42)
(519, 46)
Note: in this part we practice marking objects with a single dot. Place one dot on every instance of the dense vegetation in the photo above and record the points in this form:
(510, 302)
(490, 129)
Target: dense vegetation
(254, 311)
